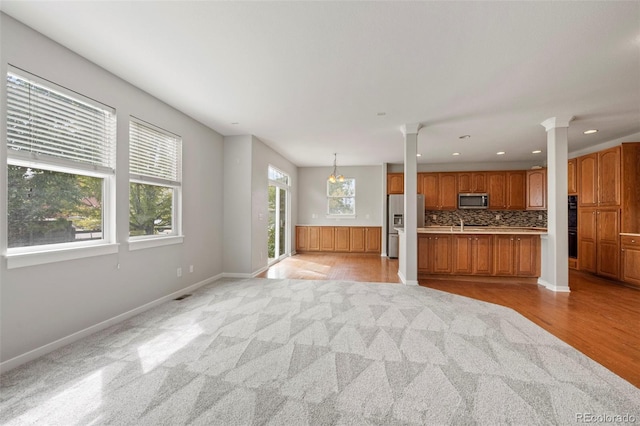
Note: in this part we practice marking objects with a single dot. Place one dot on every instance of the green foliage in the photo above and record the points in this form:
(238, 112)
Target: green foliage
(42, 203)
(150, 209)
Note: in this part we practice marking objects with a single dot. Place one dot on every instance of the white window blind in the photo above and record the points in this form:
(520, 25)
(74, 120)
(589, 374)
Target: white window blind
(58, 128)
(154, 154)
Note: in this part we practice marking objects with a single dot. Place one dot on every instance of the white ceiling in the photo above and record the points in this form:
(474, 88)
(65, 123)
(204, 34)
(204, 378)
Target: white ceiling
(310, 78)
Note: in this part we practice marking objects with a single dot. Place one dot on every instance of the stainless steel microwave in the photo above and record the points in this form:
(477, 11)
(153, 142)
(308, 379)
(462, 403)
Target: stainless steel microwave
(473, 201)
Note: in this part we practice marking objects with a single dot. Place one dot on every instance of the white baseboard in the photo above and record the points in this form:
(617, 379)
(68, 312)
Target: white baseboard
(552, 287)
(50, 347)
(236, 275)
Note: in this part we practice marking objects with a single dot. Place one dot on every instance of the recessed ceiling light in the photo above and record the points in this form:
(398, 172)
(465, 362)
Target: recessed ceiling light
(464, 136)
(235, 122)
(380, 114)
(500, 153)
(537, 151)
(456, 153)
(418, 155)
(588, 132)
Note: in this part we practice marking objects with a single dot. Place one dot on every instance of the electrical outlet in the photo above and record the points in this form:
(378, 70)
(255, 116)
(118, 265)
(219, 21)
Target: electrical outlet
(434, 217)
(497, 217)
(539, 217)
(190, 268)
(179, 272)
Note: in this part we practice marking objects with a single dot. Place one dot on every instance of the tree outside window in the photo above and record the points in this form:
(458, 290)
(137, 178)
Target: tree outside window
(341, 198)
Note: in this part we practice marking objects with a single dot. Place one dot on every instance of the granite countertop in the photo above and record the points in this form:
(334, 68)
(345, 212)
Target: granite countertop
(515, 230)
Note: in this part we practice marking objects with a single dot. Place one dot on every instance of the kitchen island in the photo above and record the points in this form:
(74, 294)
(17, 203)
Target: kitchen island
(501, 251)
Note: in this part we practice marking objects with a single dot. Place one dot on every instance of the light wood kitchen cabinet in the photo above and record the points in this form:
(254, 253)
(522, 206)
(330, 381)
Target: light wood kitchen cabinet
(572, 177)
(516, 190)
(434, 253)
(395, 183)
(373, 240)
(327, 238)
(302, 238)
(588, 180)
(598, 241)
(472, 255)
(354, 239)
(517, 255)
(497, 190)
(503, 251)
(527, 254)
(630, 271)
(537, 189)
(341, 237)
(609, 177)
(307, 238)
(599, 178)
(357, 239)
(472, 182)
(440, 191)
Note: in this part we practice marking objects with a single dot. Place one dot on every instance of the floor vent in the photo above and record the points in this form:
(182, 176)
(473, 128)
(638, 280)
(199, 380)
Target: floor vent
(184, 296)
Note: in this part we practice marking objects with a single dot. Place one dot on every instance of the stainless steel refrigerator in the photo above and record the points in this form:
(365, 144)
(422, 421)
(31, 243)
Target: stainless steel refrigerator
(395, 219)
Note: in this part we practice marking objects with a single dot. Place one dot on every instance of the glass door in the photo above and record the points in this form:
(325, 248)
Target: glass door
(277, 223)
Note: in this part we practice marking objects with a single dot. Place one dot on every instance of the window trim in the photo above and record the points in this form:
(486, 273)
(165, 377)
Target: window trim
(139, 242)
(18, 257)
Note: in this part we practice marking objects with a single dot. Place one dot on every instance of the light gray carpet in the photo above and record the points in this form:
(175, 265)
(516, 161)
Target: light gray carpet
(300, 352)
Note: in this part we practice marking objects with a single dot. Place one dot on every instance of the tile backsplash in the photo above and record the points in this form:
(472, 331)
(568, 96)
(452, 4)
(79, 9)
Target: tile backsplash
(527, 218)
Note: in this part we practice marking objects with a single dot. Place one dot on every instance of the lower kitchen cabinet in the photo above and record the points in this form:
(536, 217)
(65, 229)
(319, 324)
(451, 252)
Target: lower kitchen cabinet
(354, 239)
(472, 254)
(434, 253)
(527, 255)
(598, 246)
(630, 263)
(373, 239)
(342, 238)
(482, 255)
(327, 238)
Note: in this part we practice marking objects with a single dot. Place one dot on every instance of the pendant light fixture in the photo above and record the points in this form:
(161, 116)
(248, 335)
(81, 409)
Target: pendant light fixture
(335, 177)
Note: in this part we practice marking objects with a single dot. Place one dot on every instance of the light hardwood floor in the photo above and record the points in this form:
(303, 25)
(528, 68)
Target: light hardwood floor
(600, 318)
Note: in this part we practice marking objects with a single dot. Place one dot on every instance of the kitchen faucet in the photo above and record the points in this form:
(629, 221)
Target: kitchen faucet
(461, 225)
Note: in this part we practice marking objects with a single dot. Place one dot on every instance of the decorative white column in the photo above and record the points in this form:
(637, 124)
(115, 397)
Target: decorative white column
(555, 247)
(408, 266)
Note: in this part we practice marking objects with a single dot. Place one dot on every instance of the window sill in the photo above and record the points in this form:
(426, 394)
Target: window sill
(145, 243)
(21, 260)
(341, 216)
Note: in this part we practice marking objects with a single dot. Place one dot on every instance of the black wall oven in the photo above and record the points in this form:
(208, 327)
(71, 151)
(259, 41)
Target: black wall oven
(573, 226)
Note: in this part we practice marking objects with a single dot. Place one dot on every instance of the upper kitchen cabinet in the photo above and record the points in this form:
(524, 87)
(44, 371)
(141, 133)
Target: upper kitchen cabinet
(472, 182)
(395, 183)
(599, 178)
(609, 177)
(630, 188)
(572, 176)
(440, 191)
(506, 190)
(537, 189)
(516, 190)
(496, 188)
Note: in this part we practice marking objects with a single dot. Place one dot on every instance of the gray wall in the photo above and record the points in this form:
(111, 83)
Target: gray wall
(247, 161)
(312, 196)
(43, 303)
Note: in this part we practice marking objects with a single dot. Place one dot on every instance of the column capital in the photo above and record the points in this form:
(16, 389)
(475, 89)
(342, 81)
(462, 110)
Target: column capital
(558, 121)
(411, 129)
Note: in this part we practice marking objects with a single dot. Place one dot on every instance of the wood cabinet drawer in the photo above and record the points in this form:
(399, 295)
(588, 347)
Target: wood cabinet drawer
(630, 241)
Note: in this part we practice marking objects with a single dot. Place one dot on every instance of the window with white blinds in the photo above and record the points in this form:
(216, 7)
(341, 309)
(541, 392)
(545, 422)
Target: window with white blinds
(154, 154)
(60, 167)
(155, 169)
(47, 123)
